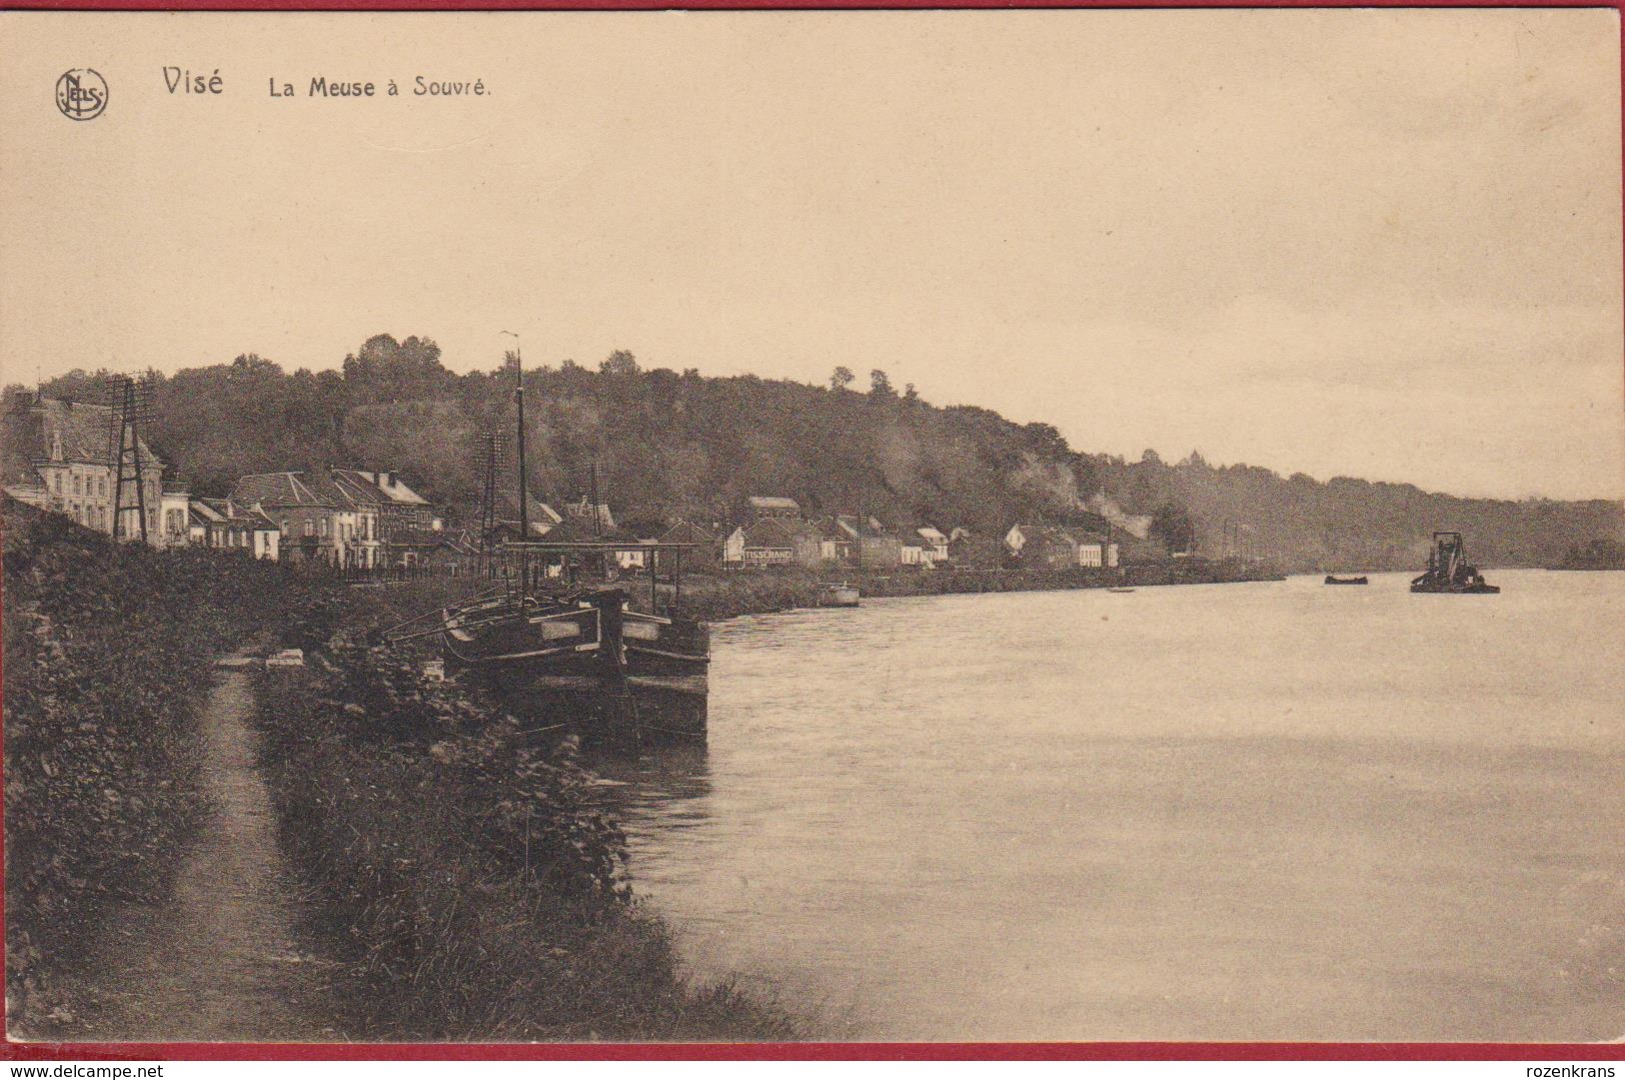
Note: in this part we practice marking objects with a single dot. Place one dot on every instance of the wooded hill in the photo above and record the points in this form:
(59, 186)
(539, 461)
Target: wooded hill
(670, 444)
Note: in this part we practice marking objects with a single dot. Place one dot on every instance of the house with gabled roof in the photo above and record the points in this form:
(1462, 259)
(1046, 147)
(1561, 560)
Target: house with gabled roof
(1094, 550)
(398, 507)
(707, 549)
(452, 552)
(319, 521)
(1060, 546)
(769, 542)
(933, 545)
(60, 456)
(878, 547)
(543, 518)
(1041, 546)
(762, 507)
(227, 526)
(836, 538)
(585, 511)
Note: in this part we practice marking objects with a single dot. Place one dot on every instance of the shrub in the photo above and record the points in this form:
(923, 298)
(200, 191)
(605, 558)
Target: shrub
(471, 884)
(108, 652)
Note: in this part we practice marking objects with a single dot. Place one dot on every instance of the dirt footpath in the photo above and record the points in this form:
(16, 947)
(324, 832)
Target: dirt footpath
(217, 960)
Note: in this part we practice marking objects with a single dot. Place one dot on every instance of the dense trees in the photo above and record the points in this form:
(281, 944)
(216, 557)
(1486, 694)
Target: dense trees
(1349, 524)
(1171, 527)
(1599, 554)
(670, 445)
(666, 445)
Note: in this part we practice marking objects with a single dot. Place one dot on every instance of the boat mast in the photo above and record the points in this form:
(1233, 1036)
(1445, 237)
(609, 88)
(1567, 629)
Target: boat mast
(519, 399)
(858, 523)
(597, 516)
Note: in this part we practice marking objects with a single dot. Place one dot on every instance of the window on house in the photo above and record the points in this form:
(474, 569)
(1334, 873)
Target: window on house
(310, 528)
(324, 528)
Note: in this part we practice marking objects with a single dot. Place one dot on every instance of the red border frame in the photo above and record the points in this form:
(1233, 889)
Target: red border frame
(755, 5)
(816, 1051)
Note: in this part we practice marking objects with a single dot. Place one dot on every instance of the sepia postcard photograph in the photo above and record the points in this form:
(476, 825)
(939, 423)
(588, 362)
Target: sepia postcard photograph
(784, 527)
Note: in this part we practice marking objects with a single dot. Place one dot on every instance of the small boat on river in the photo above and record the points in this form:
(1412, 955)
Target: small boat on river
(842, 595)
(1448, 570)
(1120, 590)
(1361, 580)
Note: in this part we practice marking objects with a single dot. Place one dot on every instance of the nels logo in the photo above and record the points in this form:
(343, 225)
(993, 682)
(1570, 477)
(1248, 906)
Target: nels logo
(81, 94)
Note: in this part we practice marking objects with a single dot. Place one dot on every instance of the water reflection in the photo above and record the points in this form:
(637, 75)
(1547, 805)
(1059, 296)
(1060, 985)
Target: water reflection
(666, 784)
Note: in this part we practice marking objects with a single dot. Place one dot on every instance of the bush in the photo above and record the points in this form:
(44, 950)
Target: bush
(472, 886)
(108, 653)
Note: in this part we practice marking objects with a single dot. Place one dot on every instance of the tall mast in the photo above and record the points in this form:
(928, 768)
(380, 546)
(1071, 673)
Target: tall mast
(519, 399)
(597, 516)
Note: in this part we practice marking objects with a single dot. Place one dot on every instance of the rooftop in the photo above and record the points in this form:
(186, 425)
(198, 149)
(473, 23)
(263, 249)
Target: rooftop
(50, 429)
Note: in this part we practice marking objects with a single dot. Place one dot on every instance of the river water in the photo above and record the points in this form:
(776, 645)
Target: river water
(1267, 811)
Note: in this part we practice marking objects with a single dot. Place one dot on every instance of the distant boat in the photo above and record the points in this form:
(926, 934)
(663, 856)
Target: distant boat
(1330, 580)
(1448, 570)
(1119, 590)
(844, 595)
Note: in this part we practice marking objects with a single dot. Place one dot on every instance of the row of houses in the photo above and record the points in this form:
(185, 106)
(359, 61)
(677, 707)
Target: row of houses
(843, 539)
(778, 535)
(56, 456)
(1063, 546)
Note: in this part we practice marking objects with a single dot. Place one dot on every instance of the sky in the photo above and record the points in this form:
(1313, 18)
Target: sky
(1370, 243)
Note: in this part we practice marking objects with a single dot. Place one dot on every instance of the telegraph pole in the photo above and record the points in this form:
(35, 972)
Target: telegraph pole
(130, 409)
(492, 459)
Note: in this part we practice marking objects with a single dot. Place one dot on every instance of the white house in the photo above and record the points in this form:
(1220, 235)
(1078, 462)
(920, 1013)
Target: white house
(733, 548)
(1094, 550)
(633, 558)
(934, 546)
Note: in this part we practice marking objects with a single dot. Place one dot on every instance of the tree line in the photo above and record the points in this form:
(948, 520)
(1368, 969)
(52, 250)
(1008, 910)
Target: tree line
(669, 445)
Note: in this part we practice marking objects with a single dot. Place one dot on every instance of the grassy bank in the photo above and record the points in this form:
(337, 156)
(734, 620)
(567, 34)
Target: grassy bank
(467, 879)
(107, 660)
(471, 884)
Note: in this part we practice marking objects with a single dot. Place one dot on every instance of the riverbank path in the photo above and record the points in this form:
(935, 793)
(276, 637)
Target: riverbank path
(217, 959)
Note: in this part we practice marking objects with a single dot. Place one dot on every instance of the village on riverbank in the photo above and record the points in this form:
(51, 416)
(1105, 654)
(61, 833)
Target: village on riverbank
(392, 680)
(129, 760)
(370, 524)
